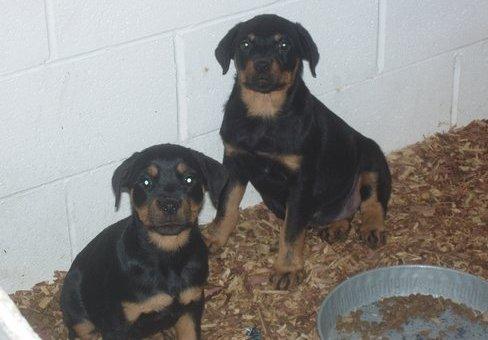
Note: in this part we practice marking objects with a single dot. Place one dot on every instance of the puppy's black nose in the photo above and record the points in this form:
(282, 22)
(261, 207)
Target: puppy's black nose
(169, 206)
(262, 65)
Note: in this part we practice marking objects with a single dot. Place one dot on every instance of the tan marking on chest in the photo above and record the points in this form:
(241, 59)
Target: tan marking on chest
(85, 330)
(190, 295)
(156, 303)
(169, 242)
(291, 161)
(264, 105)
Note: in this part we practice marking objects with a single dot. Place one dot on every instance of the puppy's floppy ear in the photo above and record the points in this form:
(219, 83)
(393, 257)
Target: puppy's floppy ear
(215, 176)
(120, 178)
(225, 50)
(309, 51)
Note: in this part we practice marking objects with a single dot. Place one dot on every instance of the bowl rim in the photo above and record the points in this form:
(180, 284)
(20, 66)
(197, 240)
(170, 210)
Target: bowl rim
(379, 269)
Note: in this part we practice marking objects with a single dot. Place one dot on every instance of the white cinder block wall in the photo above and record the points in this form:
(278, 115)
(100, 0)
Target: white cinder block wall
(83, 84)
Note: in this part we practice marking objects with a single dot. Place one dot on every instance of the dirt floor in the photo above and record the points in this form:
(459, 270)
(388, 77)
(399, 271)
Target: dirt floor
(438, 215)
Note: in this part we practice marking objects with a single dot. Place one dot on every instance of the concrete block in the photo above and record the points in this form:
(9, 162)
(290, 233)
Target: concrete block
(23, 35)
(87, 25)
(34, 240)
(90, 202)
(71, 117)
(346, 35)
(417, 30)
(401, 107)
(473, 84)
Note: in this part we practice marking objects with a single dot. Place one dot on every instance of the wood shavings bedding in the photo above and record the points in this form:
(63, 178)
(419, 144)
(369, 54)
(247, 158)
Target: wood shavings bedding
(438, 215)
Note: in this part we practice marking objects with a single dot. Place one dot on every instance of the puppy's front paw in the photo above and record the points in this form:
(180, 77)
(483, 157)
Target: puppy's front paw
(213, 238)
(288, 280)
(374, 238)
(214, 244)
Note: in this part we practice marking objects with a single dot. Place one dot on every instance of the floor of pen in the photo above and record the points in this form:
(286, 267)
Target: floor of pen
(438, 215)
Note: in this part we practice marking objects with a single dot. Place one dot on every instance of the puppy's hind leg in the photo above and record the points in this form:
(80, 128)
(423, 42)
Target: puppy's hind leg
(372, 228)
(375, 189)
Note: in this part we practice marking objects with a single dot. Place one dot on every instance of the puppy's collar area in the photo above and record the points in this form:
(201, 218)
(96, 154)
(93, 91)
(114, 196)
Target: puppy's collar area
(170, 229)
(169, 243)
(264, 105)
(276, 88)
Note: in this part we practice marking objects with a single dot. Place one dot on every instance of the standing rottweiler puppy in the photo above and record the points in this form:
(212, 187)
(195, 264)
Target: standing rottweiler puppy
(309, 166)
(146, 272)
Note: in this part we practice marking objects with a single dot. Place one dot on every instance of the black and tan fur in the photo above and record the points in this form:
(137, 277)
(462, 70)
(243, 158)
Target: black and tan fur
(309, 166)
(146, 273)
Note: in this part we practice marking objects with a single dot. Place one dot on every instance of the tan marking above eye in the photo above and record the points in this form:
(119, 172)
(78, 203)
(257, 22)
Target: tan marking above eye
(182, 168)
(190, 295)
(156, 303)
(152, 170)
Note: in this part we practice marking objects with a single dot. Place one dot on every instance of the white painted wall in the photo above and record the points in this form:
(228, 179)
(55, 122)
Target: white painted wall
(83, 84)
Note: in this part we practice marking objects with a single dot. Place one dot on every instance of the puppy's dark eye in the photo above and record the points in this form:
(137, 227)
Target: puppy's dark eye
(189, 179)
(283, 46)
(245, 45)
(146, 182)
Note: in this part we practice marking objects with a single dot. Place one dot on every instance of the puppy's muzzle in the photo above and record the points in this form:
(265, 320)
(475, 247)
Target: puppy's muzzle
(169, 206)
(262, 65)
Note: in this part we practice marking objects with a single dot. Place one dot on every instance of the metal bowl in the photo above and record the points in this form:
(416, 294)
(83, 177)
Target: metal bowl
(373, 285)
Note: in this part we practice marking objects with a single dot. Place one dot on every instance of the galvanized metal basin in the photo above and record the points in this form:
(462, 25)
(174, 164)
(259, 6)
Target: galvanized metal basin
(371, 286)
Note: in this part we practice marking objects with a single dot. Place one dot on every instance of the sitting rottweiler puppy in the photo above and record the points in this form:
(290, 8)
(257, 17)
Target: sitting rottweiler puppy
(146, 272)
(309, 166)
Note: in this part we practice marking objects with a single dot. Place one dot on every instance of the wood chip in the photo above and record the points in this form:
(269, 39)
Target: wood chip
(438, 215)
